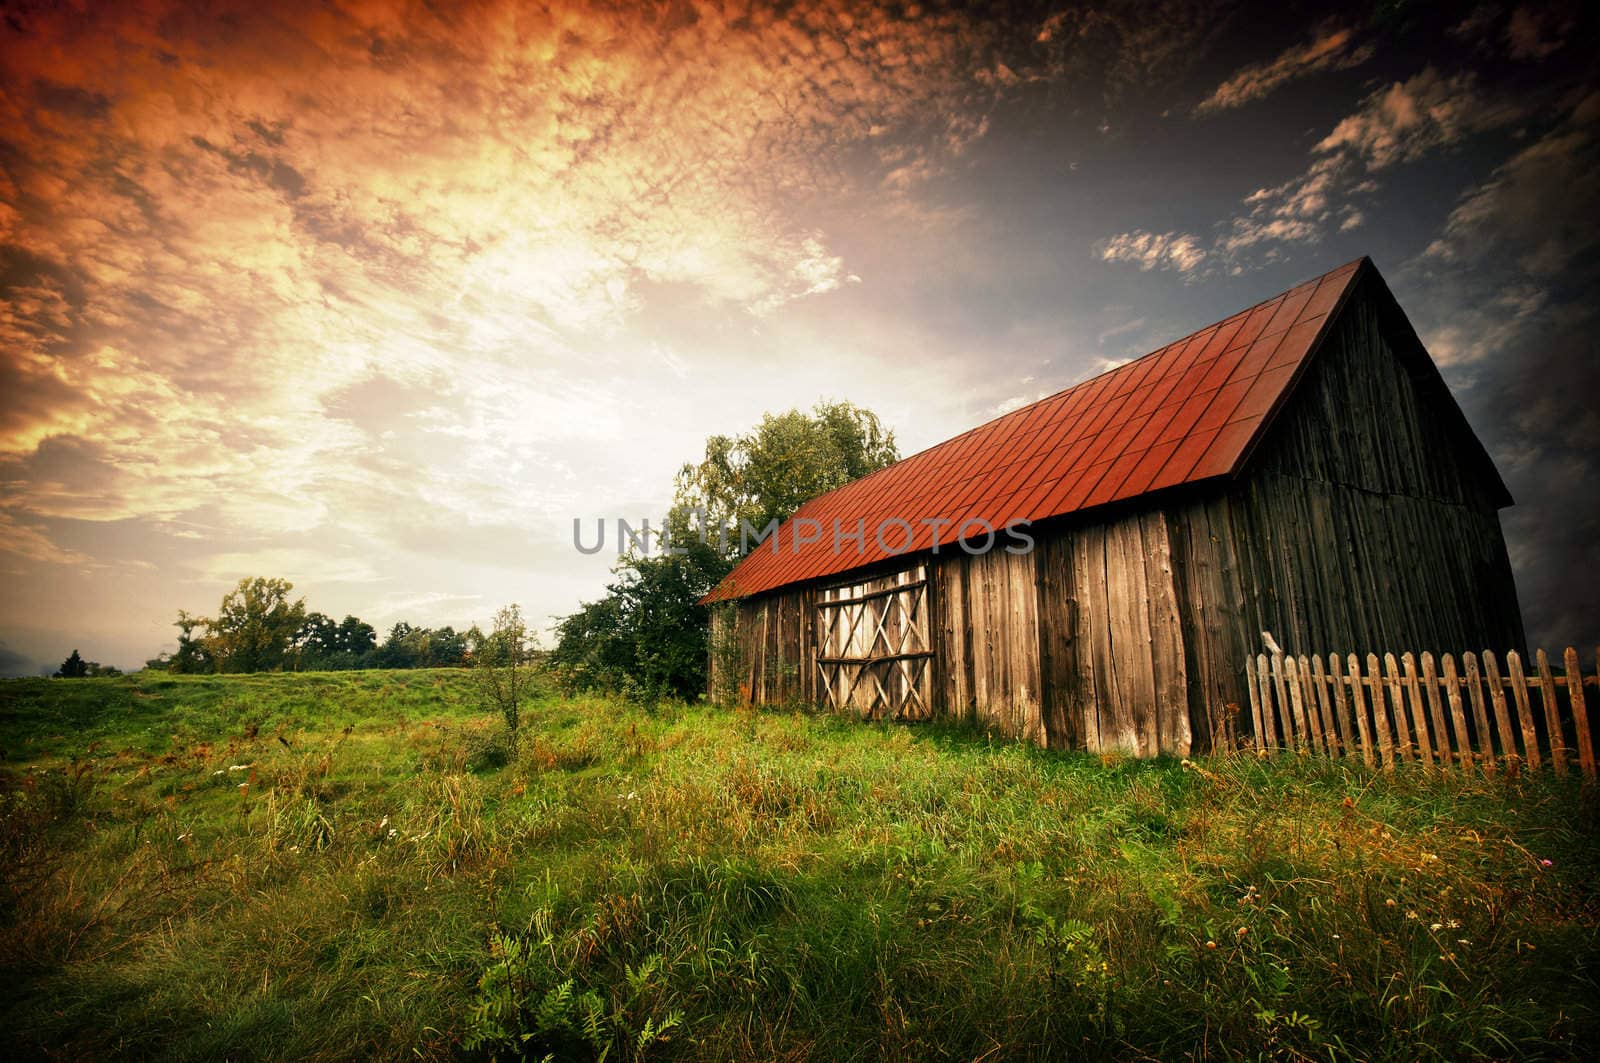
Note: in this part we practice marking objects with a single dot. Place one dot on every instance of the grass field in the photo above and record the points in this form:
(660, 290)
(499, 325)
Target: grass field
(359, 864)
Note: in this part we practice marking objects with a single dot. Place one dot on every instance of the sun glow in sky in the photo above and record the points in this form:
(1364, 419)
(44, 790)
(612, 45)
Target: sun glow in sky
(378, 297)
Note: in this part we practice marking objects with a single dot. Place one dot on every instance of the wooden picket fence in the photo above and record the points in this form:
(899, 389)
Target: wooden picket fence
(1446, 718)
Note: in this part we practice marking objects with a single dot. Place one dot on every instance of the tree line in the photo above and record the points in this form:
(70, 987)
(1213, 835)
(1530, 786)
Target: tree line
(646, 637)
(258, 628)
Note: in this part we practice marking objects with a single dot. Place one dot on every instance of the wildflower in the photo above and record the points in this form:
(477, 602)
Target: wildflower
(1243, 930)
(393, 831)
(1468, 941)
(1337, 938)
(1436, 927)
(1389, 903)
(1547, 863)
(1453, 924)
(384, 822)
(1211, 944)
(1411, 913)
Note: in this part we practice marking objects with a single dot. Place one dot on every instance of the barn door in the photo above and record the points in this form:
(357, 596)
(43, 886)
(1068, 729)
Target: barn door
(874, 654)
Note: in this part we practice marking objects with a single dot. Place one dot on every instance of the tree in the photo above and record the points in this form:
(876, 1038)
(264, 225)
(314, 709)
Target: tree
(503, 665)
(255, 626)
(768, 473)
(648, 636)
(193, 656)
(74, 667)
(357, 641)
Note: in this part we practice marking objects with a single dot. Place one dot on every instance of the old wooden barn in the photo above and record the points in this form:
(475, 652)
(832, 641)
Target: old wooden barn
(1298, 468)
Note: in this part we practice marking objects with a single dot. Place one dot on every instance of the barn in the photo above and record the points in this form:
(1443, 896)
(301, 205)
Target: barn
(1299, 468)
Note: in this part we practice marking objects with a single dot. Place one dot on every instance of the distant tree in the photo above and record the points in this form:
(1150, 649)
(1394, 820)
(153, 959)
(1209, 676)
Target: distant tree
(503, 665)
(74, 667)
(193, 656)
(446, 648)
(98, 669)
(357, 641)
(315, 644)
(255, 626)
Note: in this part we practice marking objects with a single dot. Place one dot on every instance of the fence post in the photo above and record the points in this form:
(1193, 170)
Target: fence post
(1269, 714)
(1353, 678)
(1580, 713)
(1430, 686)
(1380, 715)
(1519, 694)
(1480, 716)
(1552, 713)
(1452, 693)
(1497, 698)
(1419, 718)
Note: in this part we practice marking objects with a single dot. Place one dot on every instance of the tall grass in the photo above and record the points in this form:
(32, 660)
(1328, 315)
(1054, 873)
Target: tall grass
(361, 864)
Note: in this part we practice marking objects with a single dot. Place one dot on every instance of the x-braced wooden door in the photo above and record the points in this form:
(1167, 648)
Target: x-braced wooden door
(874, 653)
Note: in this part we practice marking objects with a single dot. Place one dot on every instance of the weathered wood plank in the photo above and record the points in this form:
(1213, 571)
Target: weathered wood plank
(1303, 737)
(1419, 718)
(1448, 755)
(1380, 715)
(1293, 736)
(1257, 732)
(1270, 713)
(1452, 690)
(1402, 730)
(1519, 694)
(1502, 717)
(1337, 745)
(1552, 713)
(1355, 720)
(1580, 712)
(1480, 713)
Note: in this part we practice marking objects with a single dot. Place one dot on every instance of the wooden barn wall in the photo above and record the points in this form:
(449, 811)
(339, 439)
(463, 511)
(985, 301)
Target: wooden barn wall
(776, 647)
(1362, 524)
(1110, 638)
(986, 641)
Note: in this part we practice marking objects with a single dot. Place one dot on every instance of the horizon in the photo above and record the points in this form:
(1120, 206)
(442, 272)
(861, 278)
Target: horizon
(380, 300)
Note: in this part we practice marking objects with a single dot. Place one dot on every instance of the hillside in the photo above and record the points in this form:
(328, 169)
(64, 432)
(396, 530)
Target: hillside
(355, 864)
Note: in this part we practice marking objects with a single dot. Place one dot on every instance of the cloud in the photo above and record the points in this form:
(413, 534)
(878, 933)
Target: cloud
(1526, 207)
(1333, 48)
(1402, 123)
(28, 542)
(1168, 251)
(1412, 118)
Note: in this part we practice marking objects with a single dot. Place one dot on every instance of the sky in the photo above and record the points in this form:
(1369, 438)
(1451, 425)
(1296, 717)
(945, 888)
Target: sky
(379, 297)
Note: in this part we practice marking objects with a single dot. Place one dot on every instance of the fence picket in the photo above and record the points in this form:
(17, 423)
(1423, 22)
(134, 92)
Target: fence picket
(1480, 715)
(1419, 718)
(1291, 739)
(1302, 727)
(1338, 744)
(1580, 713)
(1402, 728)
(1519, 694)
(1452, 693)
(1269, 714)
(1497, 698)
(1552, 713)
(1255, 702)
(1447, 751)
(1380, 715)
(1414, 707)
(1353, 679)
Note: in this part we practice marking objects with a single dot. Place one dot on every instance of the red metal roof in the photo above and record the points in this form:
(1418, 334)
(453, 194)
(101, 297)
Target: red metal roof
(1187, 412)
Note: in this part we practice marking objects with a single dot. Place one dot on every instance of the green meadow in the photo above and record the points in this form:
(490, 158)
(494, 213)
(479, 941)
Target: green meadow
(328, 866)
